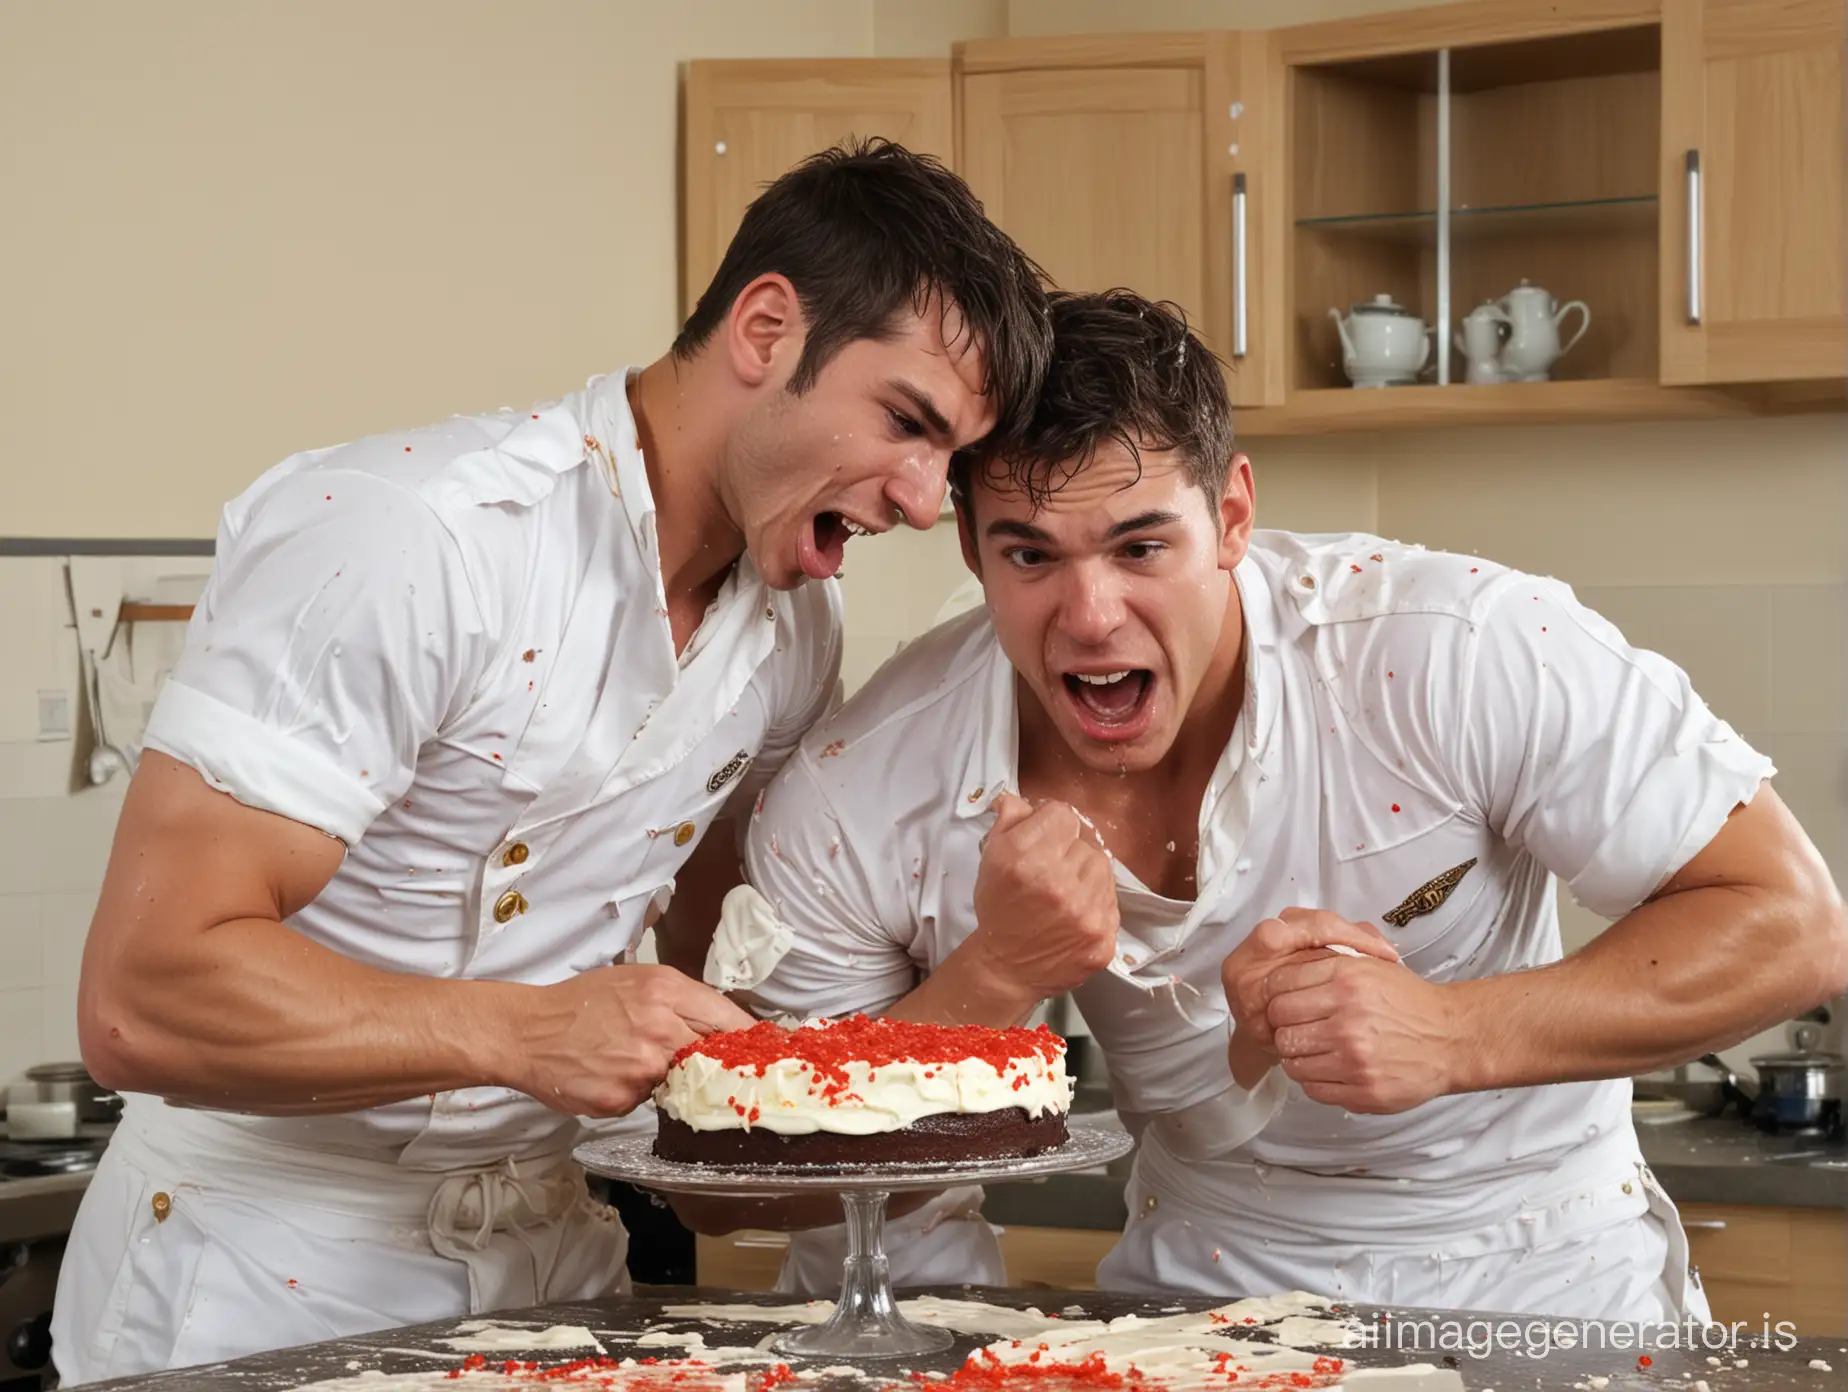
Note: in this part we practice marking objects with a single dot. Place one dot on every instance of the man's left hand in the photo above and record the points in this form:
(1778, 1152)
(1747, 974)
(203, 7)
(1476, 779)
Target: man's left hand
(1362, 1034)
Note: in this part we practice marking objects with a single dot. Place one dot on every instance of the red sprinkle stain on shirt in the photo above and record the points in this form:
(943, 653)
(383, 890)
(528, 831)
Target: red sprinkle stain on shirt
(496, 758)
(529, 654)
(1355, 569)
(1395, 807)
(407, 449)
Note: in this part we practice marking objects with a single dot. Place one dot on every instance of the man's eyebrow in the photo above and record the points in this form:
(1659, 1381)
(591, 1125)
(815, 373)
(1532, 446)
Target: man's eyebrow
(925, 407)
(1020, 531)
(1142, 521)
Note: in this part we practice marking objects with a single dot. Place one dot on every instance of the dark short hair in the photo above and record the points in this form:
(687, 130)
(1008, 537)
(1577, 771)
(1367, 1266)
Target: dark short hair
(868, 231)
(1125, 369)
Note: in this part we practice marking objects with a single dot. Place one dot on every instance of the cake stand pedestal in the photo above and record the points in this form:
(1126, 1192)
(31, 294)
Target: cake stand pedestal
(866, 1322)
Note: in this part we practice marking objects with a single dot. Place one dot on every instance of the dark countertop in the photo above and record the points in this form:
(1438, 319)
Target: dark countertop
(1699, 1160)
(1531, 1364)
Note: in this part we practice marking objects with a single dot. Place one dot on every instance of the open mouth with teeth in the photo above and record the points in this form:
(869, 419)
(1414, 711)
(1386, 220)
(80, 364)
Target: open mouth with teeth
(823, 543)
(1114, 705)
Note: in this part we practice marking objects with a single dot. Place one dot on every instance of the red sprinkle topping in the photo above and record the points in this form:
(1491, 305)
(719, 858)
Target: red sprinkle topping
(828, 1050)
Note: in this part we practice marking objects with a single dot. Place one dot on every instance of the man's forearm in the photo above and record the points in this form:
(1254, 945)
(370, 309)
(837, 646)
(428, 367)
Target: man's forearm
(965, 990)
(291, 1028)
(1682, 975)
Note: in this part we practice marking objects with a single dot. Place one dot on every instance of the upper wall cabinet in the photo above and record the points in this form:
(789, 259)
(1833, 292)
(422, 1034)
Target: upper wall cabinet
(1486, 212)
(1139, 161)
(749, 121)
(1752, 283)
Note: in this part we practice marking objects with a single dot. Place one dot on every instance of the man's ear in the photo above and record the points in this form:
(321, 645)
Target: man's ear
(765, 331)
(1237, 513)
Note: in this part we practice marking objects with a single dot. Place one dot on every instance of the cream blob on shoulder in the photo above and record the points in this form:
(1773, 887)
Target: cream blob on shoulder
(748, 943)
(788, 1097)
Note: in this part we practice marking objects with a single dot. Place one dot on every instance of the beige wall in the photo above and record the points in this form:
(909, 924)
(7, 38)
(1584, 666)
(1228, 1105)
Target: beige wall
(236, 230)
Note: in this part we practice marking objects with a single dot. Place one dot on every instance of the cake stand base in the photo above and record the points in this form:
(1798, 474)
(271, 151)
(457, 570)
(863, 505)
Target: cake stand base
(866, 1322)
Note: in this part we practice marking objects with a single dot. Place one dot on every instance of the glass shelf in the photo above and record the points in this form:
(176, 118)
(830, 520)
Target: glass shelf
(1589, 215)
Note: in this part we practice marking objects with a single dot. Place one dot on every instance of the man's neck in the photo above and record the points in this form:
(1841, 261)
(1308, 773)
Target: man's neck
(682, 446)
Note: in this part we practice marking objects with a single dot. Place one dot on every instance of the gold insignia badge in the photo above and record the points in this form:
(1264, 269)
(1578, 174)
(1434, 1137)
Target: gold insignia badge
(1429, 897)
(734, 766)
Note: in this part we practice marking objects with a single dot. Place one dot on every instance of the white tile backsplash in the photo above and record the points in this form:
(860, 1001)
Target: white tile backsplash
(66, 923)
(1809, 659)
(21, 942)
(58, 1024)
(21, 1038)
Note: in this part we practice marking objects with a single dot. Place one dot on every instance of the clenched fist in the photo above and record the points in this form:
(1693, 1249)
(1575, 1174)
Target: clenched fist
(1295, 937)
(596, 1044)
(1363, 1034)
(1045, 900)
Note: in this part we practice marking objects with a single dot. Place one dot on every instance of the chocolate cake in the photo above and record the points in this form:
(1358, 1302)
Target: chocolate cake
(863, 1092)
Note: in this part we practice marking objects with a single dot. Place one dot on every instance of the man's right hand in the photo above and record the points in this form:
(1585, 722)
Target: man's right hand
(1045, 900)
(596, 1044)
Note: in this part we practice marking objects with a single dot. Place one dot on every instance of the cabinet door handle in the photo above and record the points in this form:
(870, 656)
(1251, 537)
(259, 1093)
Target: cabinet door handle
(1704, 1224)
(1239, 284)
(1694, 244)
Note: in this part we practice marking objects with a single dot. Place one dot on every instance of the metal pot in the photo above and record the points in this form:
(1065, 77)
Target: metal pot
(71, 1082)
(1797, 1089)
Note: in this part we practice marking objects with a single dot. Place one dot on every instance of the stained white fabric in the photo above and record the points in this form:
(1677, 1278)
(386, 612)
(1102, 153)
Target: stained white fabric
(1407, 715)
(226, 1245)
(450, 649)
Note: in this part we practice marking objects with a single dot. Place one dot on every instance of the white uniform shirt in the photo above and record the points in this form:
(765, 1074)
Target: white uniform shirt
(1427, 741)
(449, 648)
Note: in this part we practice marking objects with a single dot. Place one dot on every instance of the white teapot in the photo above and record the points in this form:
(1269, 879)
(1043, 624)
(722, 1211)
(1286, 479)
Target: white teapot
(1485, 329)
(1382, 343)
(1533, 332)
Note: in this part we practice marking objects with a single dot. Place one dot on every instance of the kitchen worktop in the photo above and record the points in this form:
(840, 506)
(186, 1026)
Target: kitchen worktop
(1523, 1362)
(1697, 1160)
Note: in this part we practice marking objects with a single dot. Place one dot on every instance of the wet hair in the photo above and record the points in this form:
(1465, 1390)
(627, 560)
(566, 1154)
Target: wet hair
(868, 232)
(1124, 369)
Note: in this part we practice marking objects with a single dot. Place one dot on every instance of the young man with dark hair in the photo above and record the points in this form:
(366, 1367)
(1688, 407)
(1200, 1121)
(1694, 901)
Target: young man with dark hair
(457, 708)
(1316, 792)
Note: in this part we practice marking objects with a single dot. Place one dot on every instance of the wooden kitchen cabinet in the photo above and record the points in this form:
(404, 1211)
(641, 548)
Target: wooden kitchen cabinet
(1055, 1258)
(747, 121)
(1146, 161)
(748, 1260)
(1757, 1260)
(1752, 272)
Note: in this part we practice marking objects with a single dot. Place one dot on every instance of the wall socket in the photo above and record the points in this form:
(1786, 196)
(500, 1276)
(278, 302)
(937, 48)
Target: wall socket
(54, 715)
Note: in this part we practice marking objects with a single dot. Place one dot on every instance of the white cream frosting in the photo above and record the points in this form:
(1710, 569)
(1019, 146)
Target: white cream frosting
(791, 1100)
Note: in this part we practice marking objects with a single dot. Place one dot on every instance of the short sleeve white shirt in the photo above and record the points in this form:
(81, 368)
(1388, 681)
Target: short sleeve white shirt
(449, 649)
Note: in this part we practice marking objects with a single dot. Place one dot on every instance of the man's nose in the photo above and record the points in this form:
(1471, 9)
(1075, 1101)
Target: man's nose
(916, 491)
(1093, 603)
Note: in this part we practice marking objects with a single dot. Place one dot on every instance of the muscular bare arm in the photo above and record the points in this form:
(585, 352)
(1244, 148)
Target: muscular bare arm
(1747, 934)
(194, 988)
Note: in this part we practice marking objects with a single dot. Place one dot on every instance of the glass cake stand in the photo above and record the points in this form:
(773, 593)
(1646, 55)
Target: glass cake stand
(866, 1322)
